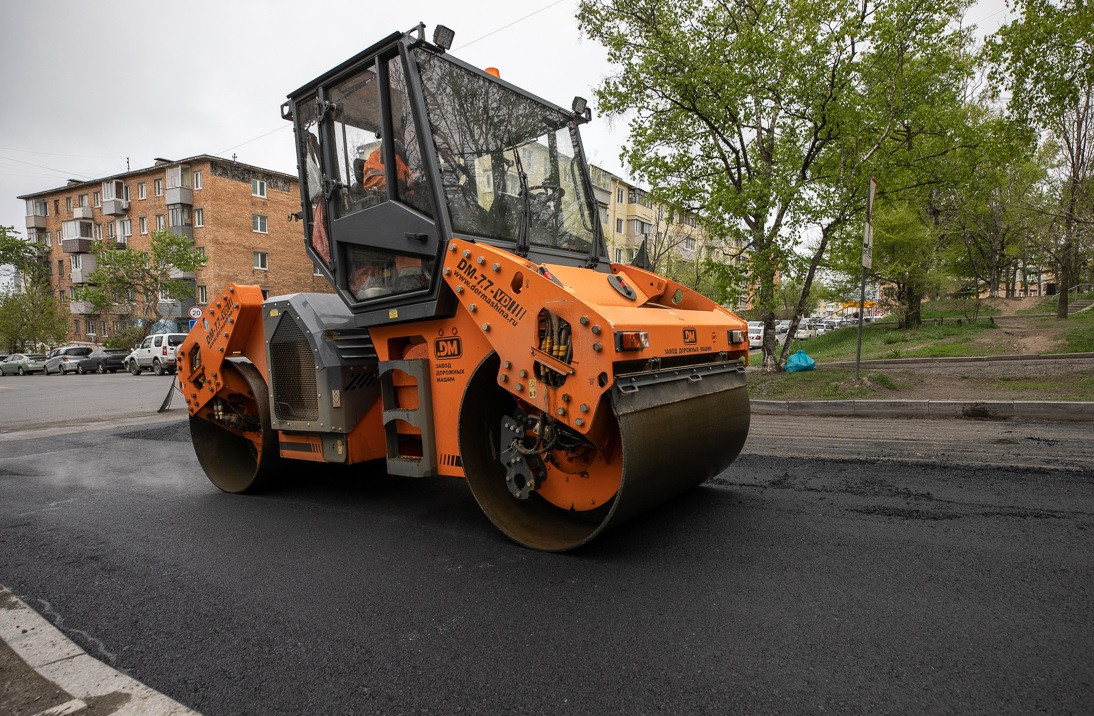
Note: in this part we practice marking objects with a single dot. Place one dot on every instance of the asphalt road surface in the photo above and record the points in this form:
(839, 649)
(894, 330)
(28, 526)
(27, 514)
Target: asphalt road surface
(839, 565)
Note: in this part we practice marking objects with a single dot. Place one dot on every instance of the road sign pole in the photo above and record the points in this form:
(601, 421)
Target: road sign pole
(861, 310)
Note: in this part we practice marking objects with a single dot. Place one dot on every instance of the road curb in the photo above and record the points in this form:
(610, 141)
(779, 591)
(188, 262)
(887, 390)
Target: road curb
(938, 409)
(58, 677)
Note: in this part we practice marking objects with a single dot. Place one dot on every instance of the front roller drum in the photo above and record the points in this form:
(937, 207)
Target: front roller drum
(672, 430)
(233, 438)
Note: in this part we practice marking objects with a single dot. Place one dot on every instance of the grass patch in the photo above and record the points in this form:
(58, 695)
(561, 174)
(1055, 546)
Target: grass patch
(833, 384)
(929, 340)
(1081, 389)
(957, 308)
(1079, 334)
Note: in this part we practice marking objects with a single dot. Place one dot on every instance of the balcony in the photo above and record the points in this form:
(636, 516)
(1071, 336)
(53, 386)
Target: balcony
(187, 231)
(82, 308)
(83, 274)
(76, 246)
(180, 195)
(115, 207)
(176, 274)
(36, 221)
(82, 212)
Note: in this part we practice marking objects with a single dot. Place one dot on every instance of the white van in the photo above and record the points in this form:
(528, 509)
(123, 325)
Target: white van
(155, 353)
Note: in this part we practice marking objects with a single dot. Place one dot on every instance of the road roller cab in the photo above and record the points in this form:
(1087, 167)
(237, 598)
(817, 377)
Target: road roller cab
(477, 329)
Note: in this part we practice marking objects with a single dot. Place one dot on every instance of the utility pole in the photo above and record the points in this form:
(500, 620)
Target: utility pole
(867, 262)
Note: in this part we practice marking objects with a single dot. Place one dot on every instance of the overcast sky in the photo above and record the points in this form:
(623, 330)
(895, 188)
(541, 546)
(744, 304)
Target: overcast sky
(90, 85)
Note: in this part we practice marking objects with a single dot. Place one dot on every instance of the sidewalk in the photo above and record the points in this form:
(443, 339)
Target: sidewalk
(45, 674)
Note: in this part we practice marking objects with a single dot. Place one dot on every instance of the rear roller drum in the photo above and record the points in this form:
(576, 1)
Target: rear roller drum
(232, 435)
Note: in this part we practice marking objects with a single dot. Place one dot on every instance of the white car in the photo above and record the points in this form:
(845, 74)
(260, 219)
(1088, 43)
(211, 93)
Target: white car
(155, 353)
(755, 336)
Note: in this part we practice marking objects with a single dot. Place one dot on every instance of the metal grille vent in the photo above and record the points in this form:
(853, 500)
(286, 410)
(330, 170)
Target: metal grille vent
(292, 372)
(355, 347)
(361, 380)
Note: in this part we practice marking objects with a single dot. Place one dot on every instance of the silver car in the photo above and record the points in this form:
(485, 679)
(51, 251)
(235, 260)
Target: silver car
(64, 360)
(22, 364)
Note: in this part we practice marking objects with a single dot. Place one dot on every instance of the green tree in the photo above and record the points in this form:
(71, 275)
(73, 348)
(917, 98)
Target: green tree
(137, 284)
(31, 317)
(766, 118)
(1045, 61)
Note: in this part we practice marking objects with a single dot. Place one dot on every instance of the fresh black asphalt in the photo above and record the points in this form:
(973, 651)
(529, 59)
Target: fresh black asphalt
(784, 585)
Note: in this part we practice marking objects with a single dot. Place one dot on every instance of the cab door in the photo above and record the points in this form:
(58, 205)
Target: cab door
(371, 190)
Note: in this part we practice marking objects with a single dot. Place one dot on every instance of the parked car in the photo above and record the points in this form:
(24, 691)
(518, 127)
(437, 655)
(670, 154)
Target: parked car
(806, 329)
(63, 360)
(155, 353)
(104, 360)
(22, 364)
(755, 335)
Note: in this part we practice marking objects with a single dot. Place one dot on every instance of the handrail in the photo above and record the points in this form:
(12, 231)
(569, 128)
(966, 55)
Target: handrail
(1078, 286)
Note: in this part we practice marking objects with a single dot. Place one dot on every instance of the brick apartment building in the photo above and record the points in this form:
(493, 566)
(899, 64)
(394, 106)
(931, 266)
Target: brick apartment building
(235, 213)
(629, 216)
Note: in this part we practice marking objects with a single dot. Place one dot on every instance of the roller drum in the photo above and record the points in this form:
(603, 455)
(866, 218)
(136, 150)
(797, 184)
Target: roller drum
(677, 428)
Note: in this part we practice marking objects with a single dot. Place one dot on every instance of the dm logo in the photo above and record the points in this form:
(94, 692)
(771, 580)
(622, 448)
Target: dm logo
(450, 347)
(690, 336)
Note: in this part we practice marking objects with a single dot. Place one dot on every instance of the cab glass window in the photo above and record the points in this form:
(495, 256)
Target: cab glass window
(411, 186)
(375, 273)
(506, 160)
(355, 131)
(310, 153)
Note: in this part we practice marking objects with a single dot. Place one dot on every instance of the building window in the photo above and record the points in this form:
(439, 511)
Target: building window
(261, 259)
(68, 204)
(142, 190)
(197, 180)
(127, 228)
(160, 223)
(157, 185)
(199, 217)
(258, 188)
(258, 223)
(110, 230)
(689, 244)
(98, 231)
(77, 261)
(76, 326)
(619, 195)
(200, 250)
(103, 327)
(61, 270)
(59, 237)
(619, 256)
(641, 227)
(619, 224)
(125, 192)
(202, 297)
(82, 200)
(143, 224)
(56, 206)
(98, 199)
(265, 293)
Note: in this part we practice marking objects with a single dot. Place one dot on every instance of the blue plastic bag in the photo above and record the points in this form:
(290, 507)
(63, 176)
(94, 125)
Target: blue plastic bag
(800, 361)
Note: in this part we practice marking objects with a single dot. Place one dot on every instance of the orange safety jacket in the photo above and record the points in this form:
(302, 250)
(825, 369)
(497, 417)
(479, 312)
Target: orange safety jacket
(372, 172)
